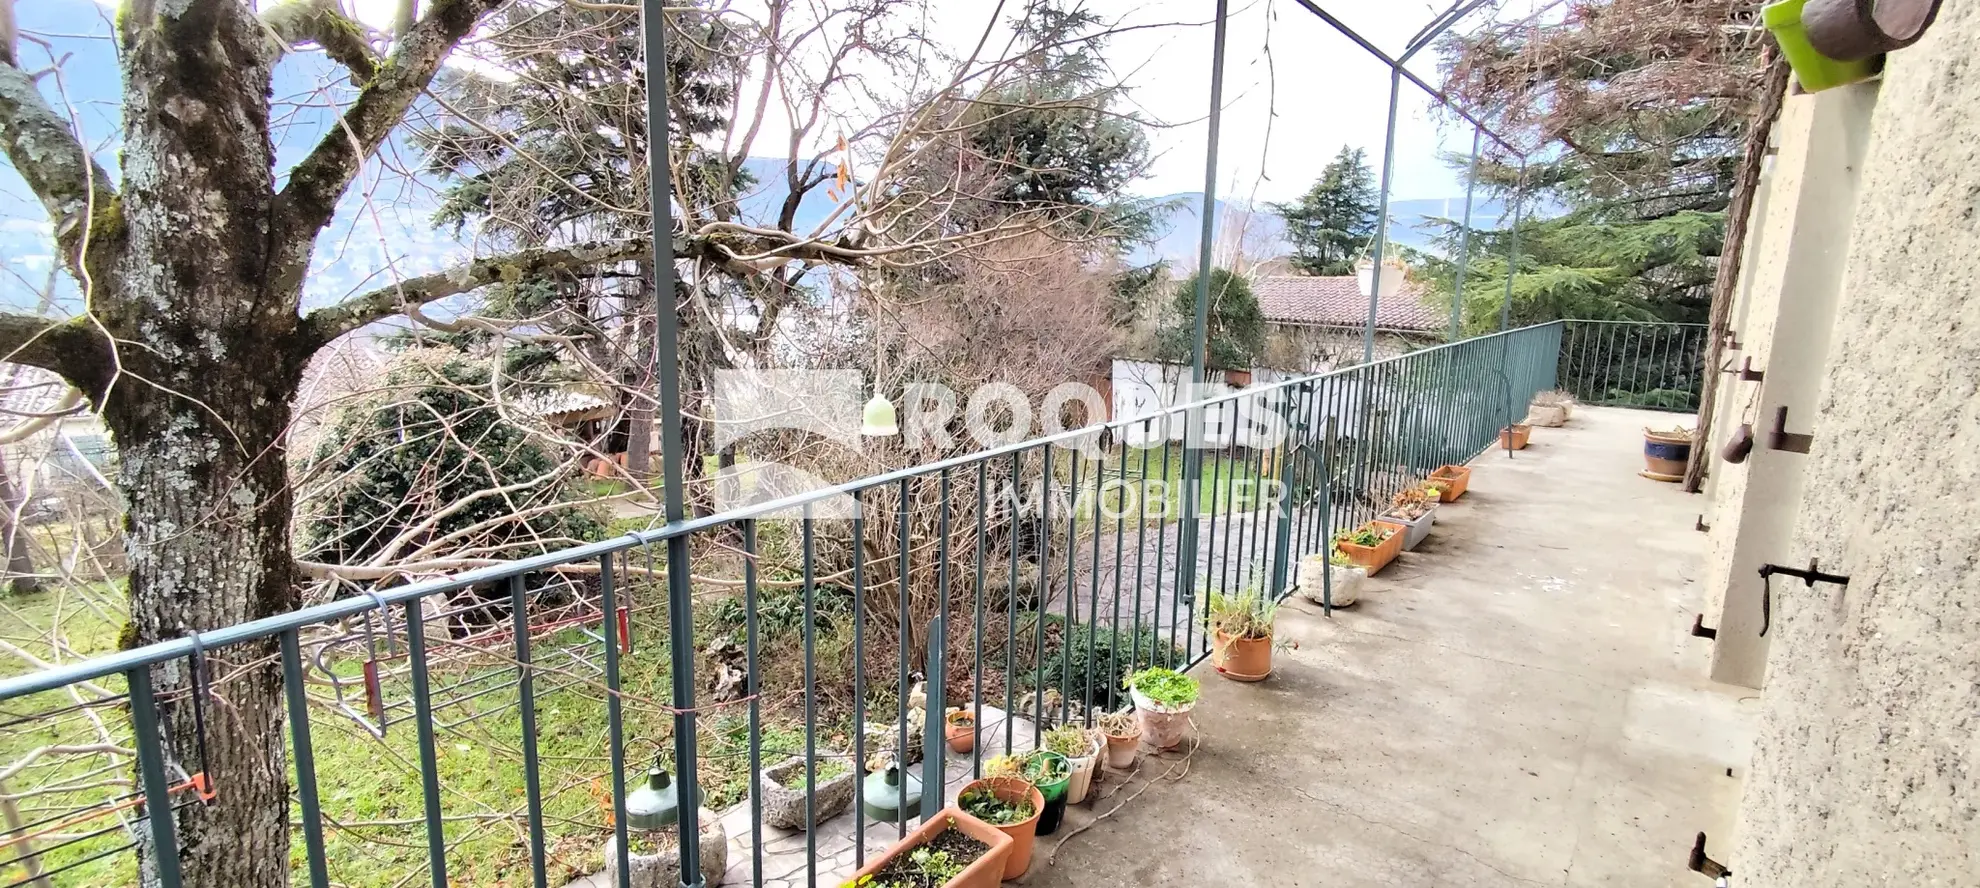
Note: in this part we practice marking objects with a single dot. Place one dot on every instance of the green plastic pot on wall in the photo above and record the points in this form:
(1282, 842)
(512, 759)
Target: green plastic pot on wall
(1815, 71)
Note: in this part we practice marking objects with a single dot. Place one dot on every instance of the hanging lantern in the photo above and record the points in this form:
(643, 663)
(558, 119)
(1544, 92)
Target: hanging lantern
(878, 421)
(657, 805)
(891, 796)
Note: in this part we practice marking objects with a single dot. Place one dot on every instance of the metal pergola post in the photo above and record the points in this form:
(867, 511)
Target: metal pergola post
(1512, 250)
(1193, 432)
(667, 371)
(1464, 240)
(1379, 248)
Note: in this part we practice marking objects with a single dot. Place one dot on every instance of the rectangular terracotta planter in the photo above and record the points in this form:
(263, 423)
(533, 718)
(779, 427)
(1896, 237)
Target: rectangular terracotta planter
(984, 872)
(1452, 480)
(1374, 558)
(1515, 436)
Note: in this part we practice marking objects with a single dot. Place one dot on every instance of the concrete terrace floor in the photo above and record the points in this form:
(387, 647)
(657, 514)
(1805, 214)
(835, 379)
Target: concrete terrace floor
(1519, 702)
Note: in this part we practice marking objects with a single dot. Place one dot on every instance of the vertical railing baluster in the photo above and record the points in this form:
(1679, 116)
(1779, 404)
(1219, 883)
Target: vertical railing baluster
(906, 634)
(1162, 547)
(858, 548)
(1140, 562)
(811, 703)
(1093, 590)
(152, 778)
(976, 692)
(1011, 603)
(755, 691)
(1072, 589)
(429, 766)
(1044, 601)
(305, 757)
(526, 707)
(615, 727)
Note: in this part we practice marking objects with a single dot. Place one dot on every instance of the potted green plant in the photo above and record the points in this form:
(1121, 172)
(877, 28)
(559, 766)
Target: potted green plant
(785, 787)
(1163, 699)
(1082, 750)
(1045, 769)
(1123, 735)
(1012, 805)
(1241, 634)
(951, 850)
(1372, 545)
(1415, 510)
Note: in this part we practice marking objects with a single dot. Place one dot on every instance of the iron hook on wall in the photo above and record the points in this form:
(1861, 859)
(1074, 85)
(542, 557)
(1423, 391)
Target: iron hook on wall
(1809, 576)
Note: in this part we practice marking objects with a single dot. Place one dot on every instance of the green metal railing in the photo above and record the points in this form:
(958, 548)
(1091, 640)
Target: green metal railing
(1647, 364)
(525, 635)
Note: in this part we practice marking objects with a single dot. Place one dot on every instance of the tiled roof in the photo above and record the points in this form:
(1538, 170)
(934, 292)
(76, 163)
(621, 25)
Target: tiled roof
(1338, 302)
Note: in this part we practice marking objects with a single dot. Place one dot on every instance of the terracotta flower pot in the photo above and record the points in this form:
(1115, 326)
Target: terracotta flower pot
(1024, 833)
(959, 728)
(1242, 659)
(1515, 437)
(1122, 749)
(1374, 558)
(983, 872)
(1453, 480)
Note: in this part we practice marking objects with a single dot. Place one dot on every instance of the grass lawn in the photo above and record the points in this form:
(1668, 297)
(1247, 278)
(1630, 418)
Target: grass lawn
(370, 787)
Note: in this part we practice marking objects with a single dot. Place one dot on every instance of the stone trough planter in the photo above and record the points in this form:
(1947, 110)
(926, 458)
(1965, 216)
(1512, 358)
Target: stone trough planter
(662, 868)
(783, 806)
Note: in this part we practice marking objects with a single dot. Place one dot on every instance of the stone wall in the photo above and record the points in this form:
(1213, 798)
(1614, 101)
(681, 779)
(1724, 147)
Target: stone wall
(1867, 766)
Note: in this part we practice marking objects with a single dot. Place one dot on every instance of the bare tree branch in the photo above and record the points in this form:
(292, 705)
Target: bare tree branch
(321, 22)
(329, 323)
(76, 349)
(308, 201)
(48, 155)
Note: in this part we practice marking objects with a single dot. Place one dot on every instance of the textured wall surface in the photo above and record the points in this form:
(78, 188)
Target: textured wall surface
(1867, 767)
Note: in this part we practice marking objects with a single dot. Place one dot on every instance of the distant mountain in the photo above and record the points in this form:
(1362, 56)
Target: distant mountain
(1411, 224)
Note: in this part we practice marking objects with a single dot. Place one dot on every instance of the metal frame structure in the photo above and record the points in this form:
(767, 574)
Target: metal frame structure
(1445, 415)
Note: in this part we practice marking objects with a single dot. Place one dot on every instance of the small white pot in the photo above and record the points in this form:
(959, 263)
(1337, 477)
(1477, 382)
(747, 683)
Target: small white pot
(1161, 727)
(1083, 769)
(1347, 580)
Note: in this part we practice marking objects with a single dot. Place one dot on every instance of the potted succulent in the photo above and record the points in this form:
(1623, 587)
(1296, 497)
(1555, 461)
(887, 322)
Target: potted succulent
(951, 850)
(1550, 408)
(1163, 699)
(959, 729)
(1451, 481)
(1515, 436)
(1346, 577)
(1012, 805)
(1123, 735)
(1082, 750)
(1241, 634)
(1414, 509)
(1372, 545)
(785, 785)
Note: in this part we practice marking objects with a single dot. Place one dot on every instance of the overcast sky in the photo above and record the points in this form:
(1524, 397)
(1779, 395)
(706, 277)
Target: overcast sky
(1295, 90)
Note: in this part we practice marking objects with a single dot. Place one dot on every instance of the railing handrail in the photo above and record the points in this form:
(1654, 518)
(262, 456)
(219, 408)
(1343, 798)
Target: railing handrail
(270, 626)
(1625, 321)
